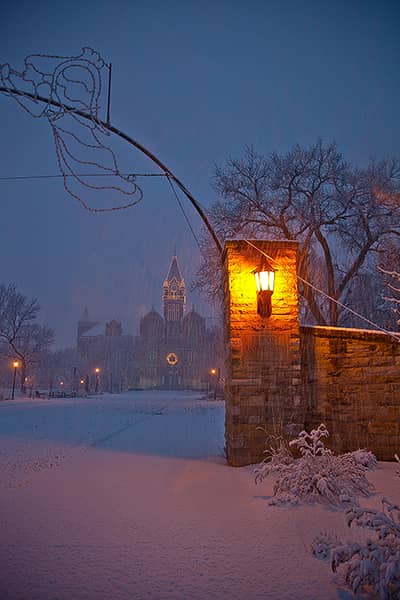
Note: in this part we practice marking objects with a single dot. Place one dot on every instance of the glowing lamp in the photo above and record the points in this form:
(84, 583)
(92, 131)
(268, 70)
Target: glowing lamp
(213, 371)
(265, 278)
(15, 365)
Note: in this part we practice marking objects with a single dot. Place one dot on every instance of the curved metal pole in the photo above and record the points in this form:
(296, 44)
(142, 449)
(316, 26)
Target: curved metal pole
(131, 141)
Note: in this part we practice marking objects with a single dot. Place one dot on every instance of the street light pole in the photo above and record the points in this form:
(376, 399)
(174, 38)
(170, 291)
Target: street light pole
(15, 365)
(97, 371)
(74, 390)
(215, 374)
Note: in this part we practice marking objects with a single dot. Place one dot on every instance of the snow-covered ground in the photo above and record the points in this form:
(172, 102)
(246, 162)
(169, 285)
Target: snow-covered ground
(125, 497)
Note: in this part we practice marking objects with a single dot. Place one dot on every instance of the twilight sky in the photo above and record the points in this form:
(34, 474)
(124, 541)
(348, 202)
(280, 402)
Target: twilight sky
(193, 82)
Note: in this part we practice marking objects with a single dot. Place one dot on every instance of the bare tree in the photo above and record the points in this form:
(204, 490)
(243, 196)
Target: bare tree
(389, 260)
(20, 333)
(311, 195)
(394, 291)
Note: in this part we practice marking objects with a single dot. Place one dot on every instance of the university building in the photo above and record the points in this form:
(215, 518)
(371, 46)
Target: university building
(176, 350)
(173, 351)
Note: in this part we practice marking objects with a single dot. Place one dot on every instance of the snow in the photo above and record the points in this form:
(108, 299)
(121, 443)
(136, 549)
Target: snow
(125, 497)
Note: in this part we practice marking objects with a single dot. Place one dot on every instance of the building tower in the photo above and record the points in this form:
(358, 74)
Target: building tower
(174, 300)
(84, 325)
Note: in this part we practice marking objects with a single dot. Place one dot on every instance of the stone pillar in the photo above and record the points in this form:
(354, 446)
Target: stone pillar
(263, 379)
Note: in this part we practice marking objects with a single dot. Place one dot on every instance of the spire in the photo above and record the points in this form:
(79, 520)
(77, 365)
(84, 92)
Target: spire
(174, 298)
(174, 272)
(85, 316)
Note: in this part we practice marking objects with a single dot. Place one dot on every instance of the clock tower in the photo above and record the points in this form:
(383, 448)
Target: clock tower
(174, 300)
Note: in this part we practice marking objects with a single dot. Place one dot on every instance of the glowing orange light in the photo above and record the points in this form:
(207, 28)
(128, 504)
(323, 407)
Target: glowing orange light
(213, 371)
(15, 364)
(172, 359)
(97, 370)
(265, 279)
(82, 381)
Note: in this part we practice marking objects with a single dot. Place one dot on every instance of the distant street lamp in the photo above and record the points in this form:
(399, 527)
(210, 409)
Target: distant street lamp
(15, 365)
(214, 373)
(97, 371)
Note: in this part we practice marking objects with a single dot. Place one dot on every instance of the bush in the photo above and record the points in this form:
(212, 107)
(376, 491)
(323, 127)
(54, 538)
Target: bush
(319, 475)
(373, 567)
(323, 544)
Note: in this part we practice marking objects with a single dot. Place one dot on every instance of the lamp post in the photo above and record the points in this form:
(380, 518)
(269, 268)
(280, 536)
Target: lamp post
(15, 365)
(265, 278)
(74, 386)
(97, 372)
(214, 374)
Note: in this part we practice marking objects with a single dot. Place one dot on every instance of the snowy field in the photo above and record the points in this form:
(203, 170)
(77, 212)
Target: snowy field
(125, 497)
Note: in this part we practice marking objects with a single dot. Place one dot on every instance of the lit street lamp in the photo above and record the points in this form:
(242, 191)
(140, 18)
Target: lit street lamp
(97, 371)
(15, 365)
(214, 375)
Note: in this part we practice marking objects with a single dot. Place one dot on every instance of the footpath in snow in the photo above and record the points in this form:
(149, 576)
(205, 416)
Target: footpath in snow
(128, 497)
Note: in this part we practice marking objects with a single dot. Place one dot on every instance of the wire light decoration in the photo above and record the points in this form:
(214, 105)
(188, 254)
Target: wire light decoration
(68, 92)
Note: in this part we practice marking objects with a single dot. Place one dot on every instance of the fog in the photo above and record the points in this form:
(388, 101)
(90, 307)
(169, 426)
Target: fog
(194, 84)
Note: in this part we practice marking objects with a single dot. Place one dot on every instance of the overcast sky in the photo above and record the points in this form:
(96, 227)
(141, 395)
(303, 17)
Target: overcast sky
(194, 82)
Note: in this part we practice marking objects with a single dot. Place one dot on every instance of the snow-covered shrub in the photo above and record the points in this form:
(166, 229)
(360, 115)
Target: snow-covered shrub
(310, 444)
(322, 545)
(373, 566)
(317, 476)
(277, 453)
(365, 458)
(277, 457)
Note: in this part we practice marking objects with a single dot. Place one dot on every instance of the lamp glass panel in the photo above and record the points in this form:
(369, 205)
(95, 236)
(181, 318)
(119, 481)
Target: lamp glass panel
(265, 281)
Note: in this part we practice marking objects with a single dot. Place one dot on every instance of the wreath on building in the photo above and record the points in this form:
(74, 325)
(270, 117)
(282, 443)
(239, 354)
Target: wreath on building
(172, 359)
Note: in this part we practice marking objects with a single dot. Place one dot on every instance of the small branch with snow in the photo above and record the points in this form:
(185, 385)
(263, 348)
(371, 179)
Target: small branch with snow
(373, 567)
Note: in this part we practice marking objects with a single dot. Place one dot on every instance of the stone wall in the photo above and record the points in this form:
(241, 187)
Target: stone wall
(351, 382)
(263, 383)
(282, 378)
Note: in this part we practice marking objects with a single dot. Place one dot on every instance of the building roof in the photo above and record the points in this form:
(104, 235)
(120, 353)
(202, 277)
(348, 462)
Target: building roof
(193, 315)
(153, 315)
(174, 272)
(96, 330)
